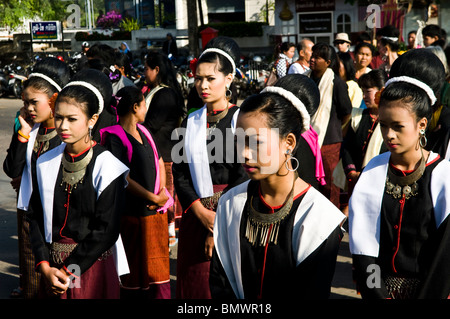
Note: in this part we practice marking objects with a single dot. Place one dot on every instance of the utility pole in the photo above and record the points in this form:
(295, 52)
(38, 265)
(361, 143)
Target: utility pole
(193, 27)
(200, 11)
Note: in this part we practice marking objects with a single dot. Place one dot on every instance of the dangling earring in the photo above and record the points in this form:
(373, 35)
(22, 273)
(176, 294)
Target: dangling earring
(90, 131)
(228, 93)
(290, 157)
(422, 139)
(51, 103)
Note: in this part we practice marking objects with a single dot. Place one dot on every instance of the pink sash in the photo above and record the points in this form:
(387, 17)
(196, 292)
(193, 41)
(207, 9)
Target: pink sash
(120, 132)
(311, 138)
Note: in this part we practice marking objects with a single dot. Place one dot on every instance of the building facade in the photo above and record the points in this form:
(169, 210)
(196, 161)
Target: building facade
(322, 20)
(288, 20)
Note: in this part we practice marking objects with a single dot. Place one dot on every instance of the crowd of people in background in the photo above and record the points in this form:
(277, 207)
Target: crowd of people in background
(358, 136)
(364, 65)
(382, 76)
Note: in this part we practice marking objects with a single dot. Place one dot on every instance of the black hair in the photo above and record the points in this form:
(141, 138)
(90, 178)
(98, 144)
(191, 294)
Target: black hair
(283, 47)
(103, 52)
(423, 65)
(364, 45)
(55, 69)
(166, 74)
(327, 52)
(102, 57)
(94, 51)
(84, 96)
(432, 30)
(349, 65)
(393, 45)
(109, 70)
(122, 60)
(391, 32)
(129, 96)
(281, 114)
(227, 45)
(363, 36)
(442, 41)
(388, 31)
(302, 87)
(375, 78)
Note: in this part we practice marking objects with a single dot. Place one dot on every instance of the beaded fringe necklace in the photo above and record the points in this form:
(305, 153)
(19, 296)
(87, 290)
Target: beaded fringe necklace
(73, 173)
(399, 186)
(263, 228)
(43, 141)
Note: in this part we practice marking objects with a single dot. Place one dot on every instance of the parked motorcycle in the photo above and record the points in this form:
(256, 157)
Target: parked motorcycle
(4, 90)
(185, 78)
(253, 77)
(16, 76)
(184, 75)
(73, 62)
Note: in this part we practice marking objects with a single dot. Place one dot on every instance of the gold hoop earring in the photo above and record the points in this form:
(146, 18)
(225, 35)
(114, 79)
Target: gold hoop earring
(228, 93)
(422, 139)
(290, 157)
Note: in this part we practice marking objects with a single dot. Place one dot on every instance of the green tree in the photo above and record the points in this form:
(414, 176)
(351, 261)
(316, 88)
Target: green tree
(13, 13)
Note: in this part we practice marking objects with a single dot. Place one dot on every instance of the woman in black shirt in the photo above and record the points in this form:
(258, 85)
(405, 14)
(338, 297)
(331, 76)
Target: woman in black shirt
(165, 111)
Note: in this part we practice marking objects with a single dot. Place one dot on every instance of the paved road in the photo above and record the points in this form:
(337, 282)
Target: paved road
(343, 287)
(9, 269)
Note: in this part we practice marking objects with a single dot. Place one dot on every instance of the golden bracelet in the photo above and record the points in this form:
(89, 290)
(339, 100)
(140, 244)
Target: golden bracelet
(27, 137)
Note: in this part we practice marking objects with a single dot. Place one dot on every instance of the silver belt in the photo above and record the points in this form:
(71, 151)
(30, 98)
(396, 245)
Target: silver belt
(401, 287)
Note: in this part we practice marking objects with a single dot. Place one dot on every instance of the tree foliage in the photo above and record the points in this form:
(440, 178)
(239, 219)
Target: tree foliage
(13, 13)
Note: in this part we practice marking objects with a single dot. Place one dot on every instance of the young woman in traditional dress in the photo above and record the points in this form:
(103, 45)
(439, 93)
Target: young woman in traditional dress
(399, 230)
(194, 101)
(144, 222)
(201, 176)
(363, 140)
(333, 113)
(78, 199)
(308, 149)
(276, 237)
(388, 47)
(165, 111)
(35, 136)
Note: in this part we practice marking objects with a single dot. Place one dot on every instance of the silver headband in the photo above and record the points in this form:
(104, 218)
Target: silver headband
(46, 78)
(222, 52)
(415, 82)
(295, 102)
(94, 90)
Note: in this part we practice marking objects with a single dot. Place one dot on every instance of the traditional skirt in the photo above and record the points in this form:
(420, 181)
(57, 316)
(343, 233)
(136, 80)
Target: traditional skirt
(146, 242)
(192, 265)
(330, 158)
(100, 281)
(29, 277)
(175, 212)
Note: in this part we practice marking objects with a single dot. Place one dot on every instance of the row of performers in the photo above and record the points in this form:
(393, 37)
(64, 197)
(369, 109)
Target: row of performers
(252, 230)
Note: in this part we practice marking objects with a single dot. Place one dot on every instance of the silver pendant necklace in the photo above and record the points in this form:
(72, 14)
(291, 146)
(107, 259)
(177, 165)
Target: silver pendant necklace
(216, 119)
(399, 186)
(73, 173)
